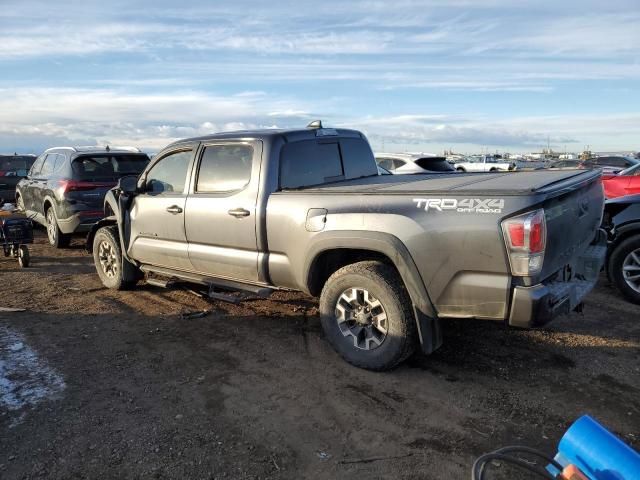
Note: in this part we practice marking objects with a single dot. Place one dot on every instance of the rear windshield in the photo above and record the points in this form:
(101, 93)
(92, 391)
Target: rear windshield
(107, 167)
(318, 161)
(435, 164)
(15, 165)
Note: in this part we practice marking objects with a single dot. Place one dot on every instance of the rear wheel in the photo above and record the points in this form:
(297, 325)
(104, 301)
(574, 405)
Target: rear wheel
(107, 256)
(460, 169)
(624, 268)
(366, 315)
(23, 256)
(56, 237)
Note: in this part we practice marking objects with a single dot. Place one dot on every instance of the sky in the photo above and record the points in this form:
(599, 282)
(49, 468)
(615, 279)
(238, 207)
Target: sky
(467, 75)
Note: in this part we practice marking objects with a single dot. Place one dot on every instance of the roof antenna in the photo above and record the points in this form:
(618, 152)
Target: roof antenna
(315, 124)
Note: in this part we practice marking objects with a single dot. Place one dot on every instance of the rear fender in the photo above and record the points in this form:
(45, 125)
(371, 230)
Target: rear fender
(428, 323)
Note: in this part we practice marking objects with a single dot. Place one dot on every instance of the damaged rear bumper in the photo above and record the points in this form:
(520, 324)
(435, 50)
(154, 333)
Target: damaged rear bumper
(536, 305)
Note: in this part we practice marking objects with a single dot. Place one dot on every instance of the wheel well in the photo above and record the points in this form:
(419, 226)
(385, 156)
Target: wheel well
(47, 206)
(329, 261)
(621, 238)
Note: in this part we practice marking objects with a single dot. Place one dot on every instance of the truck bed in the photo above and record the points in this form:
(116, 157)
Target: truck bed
(454, 183)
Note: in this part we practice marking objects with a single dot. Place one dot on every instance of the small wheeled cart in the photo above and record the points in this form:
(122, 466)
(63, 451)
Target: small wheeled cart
(15, 233)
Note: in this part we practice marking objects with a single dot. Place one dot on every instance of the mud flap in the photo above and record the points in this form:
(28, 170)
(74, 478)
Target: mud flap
(429, 332)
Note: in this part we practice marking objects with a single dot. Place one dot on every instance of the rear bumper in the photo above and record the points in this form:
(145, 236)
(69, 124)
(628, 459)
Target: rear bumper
(539, 304)
(77, 223)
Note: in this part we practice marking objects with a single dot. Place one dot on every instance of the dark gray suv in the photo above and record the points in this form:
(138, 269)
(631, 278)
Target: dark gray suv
(65, 188)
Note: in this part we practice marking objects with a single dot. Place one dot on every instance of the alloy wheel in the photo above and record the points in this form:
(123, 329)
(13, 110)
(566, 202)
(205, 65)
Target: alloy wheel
(52, 226)
(631, 270)
(108, 259)
(362, 317)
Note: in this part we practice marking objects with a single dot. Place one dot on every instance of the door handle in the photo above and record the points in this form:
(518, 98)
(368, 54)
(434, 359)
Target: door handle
(174, 209)
(239, 212)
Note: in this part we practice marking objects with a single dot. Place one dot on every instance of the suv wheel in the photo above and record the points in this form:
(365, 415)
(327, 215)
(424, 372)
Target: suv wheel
(624, 268)
(56, 237)
(107, 256)
(366, 315)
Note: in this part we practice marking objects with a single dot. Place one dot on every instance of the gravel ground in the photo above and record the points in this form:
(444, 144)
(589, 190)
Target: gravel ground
(97, 383)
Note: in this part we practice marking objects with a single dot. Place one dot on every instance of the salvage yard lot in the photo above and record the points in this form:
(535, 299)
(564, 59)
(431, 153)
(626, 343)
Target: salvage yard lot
(133, 389)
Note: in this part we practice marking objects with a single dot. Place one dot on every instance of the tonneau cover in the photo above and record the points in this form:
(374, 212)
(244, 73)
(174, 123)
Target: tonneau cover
(506, 183)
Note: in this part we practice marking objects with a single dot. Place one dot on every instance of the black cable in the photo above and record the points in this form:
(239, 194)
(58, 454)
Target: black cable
(532, 451)
(481, 463)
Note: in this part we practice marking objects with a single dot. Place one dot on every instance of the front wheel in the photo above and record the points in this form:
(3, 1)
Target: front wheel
(366, 315)
(460, 169)
(107, 256)
(624, 268)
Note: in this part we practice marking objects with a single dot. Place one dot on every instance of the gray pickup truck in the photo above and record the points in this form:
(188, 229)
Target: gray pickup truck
(390, 256)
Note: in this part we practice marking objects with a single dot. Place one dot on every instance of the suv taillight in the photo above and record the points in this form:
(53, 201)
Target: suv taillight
(526, 239)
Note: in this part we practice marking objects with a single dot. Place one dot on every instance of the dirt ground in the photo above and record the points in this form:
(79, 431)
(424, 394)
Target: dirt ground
(102, 384)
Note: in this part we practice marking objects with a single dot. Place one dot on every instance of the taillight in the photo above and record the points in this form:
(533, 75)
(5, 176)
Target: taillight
(526, 239)
(65, 186)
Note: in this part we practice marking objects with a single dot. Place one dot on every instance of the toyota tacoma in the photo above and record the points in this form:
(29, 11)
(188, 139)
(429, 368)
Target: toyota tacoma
(389, 256)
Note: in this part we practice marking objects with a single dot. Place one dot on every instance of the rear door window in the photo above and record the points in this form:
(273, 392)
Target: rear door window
(169, 175)
(224, 168)
(435, 164)
(49, 165)
(385, 163)
(107, 167)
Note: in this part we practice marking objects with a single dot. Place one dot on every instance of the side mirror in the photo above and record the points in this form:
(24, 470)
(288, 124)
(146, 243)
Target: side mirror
(128, 184)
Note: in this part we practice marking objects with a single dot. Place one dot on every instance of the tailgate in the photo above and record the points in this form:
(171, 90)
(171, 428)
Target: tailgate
(573, 212)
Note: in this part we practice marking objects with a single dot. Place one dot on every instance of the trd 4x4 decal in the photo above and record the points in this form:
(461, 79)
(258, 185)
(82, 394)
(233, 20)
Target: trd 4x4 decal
(465, 205)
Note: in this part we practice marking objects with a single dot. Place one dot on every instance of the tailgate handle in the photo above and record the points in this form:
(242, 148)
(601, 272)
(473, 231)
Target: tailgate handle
(239, 212)
(175, 209)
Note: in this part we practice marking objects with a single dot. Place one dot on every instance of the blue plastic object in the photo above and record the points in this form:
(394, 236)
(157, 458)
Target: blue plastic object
(597, 452)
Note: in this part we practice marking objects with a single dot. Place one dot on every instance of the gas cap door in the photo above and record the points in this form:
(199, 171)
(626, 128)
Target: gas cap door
(316, 219)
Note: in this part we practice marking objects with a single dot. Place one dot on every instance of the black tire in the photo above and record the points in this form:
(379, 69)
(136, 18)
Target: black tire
(107, 257)
(383, 283)
(56, 238)
(19, 202)
(24, 259)
(460, 169)
(621, 253)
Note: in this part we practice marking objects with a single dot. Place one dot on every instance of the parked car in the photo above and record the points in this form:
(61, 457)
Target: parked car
(622, 222)
(568, 163)
(390, 256)
(65, 187)
(411, 163)
(13, 168)
(627, 182)
(610, 163)
(484, 163)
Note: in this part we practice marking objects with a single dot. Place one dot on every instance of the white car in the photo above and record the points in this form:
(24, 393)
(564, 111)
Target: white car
(484, 163)
(412, 163)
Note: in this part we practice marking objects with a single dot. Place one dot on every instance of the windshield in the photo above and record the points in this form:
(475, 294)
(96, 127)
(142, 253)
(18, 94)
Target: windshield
(108, 167)
(15, 165)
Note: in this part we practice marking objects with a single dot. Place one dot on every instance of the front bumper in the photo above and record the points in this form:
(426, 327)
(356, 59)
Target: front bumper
(536, 305)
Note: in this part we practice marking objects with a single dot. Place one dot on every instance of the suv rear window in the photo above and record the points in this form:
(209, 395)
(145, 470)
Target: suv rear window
(15, 165)
(107, 167)
(435, 164)
(314, 162)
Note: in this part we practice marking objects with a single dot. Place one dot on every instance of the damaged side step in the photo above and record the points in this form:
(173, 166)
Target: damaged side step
(161, 282)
